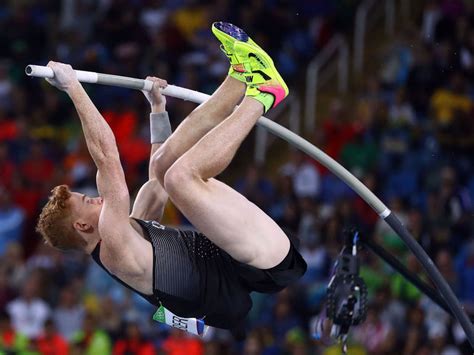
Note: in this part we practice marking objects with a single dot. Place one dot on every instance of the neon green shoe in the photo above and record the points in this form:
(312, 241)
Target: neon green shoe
(264, 83)
(228, 34)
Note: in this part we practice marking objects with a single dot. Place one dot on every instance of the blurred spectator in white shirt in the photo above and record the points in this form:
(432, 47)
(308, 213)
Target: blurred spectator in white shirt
(28, 312)
(69, 313)
(12, 219)
(306, 178)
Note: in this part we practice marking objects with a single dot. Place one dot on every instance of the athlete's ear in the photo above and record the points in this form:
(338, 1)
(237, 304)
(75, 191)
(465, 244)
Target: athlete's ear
(82, 227)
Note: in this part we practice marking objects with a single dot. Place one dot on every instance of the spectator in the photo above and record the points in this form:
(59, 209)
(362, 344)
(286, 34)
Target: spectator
(8, 127)
(80, 167)
(416, 224)
(27, 197)
(5, 87)
(51, 342)
(12, 220)
(359, 155)
(255, 187)
(445, 263)
(431, 15)
(439, 341)
(421, 81)
(253, 344)
(402, 288)
(11, 341)
(306, 179)
(91, 340)
(29, 312)
(14, 266)
(38, 167)
(284, 318)
(436, 319)
(467, 53)
(451, 106)
(415, 331)
(309, 221)
(465, 272)
(295, 342)
(68, 314)
(373, 273)
(337, 131)
(401, 112)
(181, 343)
(8, 167)
(392, 309)
(109, 315)
(133, 342)
(153, 16)
(284, 208)
(374, 333)
(398, 60)
(316, 256)
(455, 199)
(6, 291)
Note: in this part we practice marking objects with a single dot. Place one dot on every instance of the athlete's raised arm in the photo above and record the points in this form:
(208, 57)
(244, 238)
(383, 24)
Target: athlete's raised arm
(151, 199)
(100, 142)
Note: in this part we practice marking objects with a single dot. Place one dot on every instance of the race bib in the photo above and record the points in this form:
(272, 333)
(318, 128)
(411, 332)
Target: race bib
(191, 325)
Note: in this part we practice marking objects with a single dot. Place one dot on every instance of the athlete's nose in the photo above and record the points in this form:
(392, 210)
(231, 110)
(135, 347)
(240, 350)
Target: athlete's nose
(97, 201)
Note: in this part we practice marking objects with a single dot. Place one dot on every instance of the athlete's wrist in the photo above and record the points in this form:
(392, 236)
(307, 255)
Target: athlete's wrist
(160, 127)
(158, 108)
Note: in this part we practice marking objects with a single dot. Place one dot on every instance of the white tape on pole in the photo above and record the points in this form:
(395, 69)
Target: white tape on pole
(46, 72)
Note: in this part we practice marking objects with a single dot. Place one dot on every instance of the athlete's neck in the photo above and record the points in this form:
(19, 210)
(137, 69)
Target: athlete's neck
(91, 247)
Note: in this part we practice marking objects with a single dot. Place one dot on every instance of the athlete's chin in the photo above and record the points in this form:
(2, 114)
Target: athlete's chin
(97, 212)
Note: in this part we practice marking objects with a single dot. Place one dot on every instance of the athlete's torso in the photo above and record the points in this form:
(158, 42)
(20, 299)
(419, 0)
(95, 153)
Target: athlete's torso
(190, 276)
(171, 276)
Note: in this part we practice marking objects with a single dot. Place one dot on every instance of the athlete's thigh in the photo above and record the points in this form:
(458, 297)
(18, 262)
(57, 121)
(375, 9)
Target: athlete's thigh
(234, 223)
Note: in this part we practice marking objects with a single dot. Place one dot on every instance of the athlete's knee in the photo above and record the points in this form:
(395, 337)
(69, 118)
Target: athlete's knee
(160, 163)
(178, 178)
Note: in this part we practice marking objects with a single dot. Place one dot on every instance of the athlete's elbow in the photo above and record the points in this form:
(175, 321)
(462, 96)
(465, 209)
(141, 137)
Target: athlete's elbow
(105, 156)
(103, 149)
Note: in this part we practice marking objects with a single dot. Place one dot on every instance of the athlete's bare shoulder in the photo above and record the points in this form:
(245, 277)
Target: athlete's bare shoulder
(126, 253)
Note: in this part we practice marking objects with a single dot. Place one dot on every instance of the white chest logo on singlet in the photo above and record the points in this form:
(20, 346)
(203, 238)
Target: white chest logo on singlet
(157, 225)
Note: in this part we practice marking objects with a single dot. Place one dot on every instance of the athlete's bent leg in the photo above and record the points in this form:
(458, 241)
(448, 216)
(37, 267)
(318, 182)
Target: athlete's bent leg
(223, 215)
(232, 222)
(212, 112)
(227, 218)
(205, 117)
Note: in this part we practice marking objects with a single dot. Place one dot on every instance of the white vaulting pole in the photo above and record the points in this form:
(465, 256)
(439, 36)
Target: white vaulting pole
(121, 81)
(311, 150)
(198, 97)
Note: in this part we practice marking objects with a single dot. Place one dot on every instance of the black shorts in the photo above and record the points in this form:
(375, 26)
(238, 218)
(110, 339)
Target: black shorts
(229, 302)
(274, 279)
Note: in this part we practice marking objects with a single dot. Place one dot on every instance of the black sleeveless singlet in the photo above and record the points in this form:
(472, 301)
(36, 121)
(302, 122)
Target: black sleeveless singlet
(192, 277)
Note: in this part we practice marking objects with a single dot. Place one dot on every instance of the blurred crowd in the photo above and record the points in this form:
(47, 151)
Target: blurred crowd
(408, 136)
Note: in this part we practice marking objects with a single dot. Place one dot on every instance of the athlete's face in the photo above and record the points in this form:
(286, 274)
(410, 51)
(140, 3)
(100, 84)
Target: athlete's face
(85, 210)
